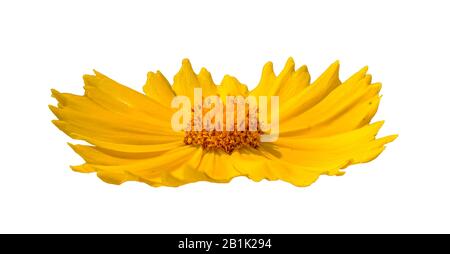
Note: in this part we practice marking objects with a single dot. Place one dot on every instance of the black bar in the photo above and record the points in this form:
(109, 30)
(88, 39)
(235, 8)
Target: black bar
(223, 243)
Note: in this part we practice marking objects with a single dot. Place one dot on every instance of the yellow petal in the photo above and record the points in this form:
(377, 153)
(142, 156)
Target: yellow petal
(295, 84)
(189, 172)
(252, 163)
(101, 156)
(341, 99)
(313, 94)
(266, 81)
(116, 97)
(295, 174)
(282, 78)
(109, 135)
(130, 147)
(115, 177)
(334, 152)
(84, 168)
(158, 88)
(98, 118)
(156, 171)
(185, 80)
(217, 166)
(206, 83)
(230, 86)
(73, 121)
(357, 116)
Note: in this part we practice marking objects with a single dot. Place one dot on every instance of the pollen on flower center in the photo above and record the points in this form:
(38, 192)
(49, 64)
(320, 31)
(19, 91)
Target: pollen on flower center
(228, 141)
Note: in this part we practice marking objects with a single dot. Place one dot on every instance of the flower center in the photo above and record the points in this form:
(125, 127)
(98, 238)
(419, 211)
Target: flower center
(225, 140)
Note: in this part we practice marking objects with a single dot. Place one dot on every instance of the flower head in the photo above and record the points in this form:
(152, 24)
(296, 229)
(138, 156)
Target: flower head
(320, 127)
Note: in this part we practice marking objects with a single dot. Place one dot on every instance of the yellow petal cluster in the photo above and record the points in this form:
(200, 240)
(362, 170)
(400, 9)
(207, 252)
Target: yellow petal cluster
(324, 127)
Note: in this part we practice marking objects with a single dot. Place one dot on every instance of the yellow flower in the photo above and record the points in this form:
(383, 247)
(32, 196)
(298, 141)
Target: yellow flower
(324, 126)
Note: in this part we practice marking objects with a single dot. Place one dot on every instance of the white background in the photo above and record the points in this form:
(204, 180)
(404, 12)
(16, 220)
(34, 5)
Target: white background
(51, 44)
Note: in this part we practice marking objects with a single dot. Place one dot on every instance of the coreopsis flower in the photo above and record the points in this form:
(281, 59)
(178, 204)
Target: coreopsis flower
(322, 127)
